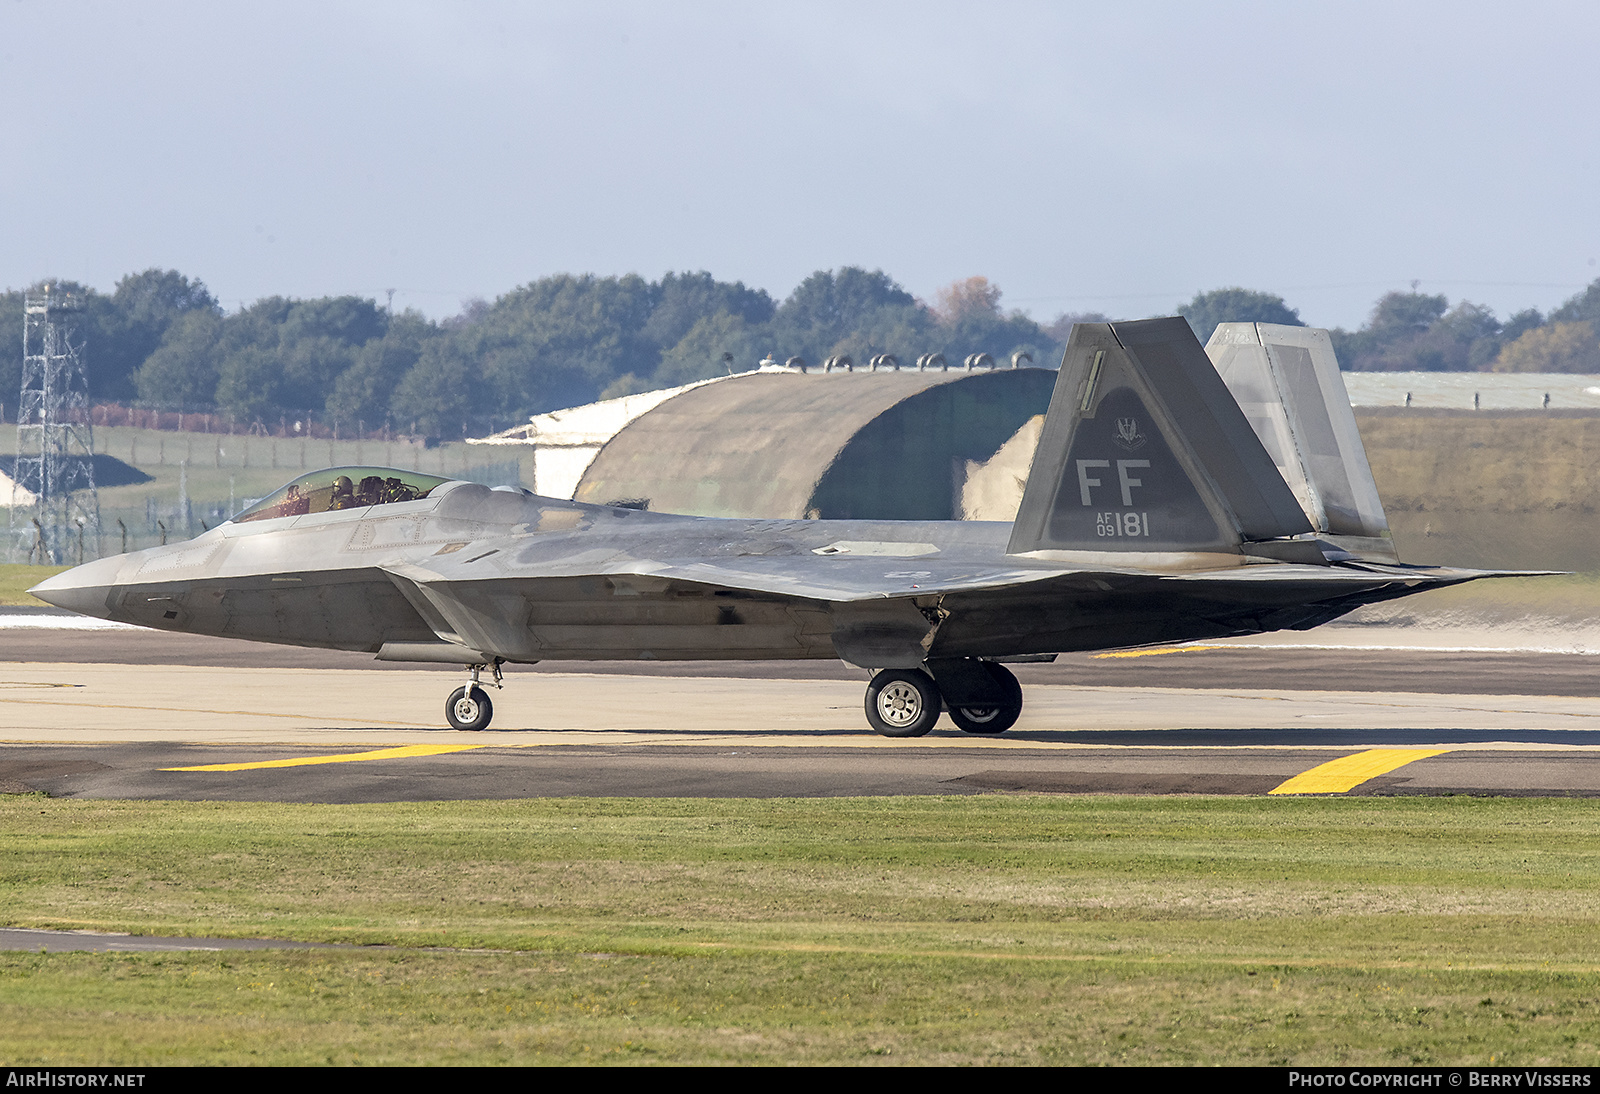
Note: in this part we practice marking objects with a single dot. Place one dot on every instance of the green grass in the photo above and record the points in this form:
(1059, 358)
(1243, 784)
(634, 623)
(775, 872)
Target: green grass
(15, 581)
(915, 930)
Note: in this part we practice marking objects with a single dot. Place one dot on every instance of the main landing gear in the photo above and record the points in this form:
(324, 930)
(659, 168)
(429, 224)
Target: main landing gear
(903, 702)
(991, 705)
(468, 707)
(983, 697)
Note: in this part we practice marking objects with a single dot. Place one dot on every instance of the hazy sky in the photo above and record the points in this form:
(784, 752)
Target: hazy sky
(1081, 158)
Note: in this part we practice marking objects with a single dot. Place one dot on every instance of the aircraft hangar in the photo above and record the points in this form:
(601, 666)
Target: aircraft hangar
(896, 444)
(1475, 469)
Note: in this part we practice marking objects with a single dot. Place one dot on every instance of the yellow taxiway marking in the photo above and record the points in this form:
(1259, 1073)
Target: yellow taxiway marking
(1349, 772)
(204, 710)
(1158, 651)
(341, 758)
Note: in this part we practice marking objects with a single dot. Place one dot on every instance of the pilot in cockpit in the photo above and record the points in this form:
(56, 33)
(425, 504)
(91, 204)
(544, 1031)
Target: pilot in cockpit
(343, 495)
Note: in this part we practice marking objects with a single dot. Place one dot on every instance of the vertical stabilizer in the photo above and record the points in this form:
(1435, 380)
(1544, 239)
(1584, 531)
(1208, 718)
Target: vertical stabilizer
(1287, 382)
(1145, 451)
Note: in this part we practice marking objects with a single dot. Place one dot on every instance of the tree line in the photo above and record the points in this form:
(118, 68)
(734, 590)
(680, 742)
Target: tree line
(160, 339)
(1419, 332)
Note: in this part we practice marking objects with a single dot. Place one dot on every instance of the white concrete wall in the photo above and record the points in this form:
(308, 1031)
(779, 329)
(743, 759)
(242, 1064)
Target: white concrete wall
(1495, 390)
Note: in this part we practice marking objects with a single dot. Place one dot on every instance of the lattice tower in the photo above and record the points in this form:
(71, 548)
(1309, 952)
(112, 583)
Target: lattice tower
(55, 510)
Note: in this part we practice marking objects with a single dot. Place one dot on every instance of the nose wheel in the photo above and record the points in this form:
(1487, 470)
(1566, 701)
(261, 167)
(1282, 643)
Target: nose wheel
(469, 708)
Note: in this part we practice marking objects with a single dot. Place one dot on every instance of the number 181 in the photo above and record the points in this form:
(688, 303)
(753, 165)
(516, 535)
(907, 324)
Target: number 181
(1122, 524)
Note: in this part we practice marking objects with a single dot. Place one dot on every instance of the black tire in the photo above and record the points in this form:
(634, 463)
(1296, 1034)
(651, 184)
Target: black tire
(999, 710)
(987, 721)
(903, 703)
(469, 709)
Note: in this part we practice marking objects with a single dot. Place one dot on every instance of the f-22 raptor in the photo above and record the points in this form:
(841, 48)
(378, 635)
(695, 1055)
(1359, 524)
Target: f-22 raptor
(1173, 496)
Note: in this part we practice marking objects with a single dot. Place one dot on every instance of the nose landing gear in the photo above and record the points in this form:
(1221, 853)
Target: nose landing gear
(469, 708)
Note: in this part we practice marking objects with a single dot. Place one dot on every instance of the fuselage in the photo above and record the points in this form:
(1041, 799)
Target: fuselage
(469, 573)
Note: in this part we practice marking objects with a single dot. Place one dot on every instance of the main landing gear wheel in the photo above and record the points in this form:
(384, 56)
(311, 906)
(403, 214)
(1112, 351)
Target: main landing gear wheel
(469, 708)
(998, 708)
(903, 702)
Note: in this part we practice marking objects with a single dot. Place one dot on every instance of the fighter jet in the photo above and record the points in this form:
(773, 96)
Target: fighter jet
(1172, 497)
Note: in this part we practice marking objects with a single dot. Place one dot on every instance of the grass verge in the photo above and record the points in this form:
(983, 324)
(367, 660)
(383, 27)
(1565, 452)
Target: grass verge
(16, 579)
(916, 930)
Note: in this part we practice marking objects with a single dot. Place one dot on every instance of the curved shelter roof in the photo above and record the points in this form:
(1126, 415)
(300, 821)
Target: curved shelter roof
(883, 445)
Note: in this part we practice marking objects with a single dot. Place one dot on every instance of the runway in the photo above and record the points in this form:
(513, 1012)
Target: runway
(118, 713)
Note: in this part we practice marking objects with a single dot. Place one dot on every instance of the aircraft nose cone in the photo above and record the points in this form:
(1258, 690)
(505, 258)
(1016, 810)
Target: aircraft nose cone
(83, 589)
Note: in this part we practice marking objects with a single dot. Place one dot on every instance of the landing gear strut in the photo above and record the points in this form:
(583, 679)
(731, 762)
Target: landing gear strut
(468, 707)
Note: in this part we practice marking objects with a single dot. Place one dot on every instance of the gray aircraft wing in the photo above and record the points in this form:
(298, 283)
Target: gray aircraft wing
(890, 612)
(876, 612)
(836, 580)
(845, 579)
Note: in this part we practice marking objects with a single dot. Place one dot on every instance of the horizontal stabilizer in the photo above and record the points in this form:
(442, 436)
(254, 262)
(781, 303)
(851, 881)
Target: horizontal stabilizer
(1145, 450)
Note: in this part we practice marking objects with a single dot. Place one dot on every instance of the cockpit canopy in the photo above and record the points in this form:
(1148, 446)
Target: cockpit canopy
(342, 488)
